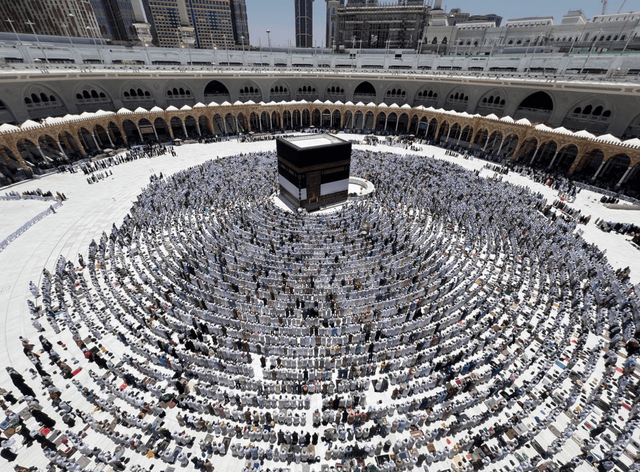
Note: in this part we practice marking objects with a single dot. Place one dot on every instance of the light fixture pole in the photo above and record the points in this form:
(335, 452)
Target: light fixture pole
(10, 21)
(226, 46)
(243, 61)
(64, 26)
(269, 40)
(89, 28)
(31, 23)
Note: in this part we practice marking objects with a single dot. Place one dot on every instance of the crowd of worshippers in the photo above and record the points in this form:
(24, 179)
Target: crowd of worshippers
(395, 313)
(574, 213)
(101, 169)
(36, 193)
(620, 228)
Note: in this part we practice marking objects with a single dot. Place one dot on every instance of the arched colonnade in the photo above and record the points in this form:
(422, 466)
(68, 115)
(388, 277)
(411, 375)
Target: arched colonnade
(505, 138)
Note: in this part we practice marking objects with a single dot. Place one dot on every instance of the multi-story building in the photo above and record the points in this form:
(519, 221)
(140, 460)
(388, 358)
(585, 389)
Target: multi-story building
(116, 19)
(240, 22)
(574, 33)
(360, 24)
(330, 27)
(48, 17)
(193, 23)
(304, 23)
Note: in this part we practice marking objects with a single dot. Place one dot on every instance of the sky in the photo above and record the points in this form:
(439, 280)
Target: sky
(278, 15)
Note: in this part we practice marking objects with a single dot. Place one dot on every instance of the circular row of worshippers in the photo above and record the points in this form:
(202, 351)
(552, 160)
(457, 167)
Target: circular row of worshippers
(484, 324)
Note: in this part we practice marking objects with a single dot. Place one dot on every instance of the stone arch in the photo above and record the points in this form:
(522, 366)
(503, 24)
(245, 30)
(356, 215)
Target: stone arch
(178, 94)
(391, 122)
(147, 130)
(369, 121)
(280, 91)
(633, 129)
(131, 132)
(456, 132)
(326, 119)
(216, 91)
(395, 94)
(49, 147)
(276, 120)
(493, 101)
(190, 123)
(92, 97)
(527, 150)
(480, 138)
(431, 129)
(306, 118)
(265, 120)
(414, 124)
(358, 120)
(116, 134)
(296, 119)
(364, 92)
(250, 91)
(287, 120)
(546, 153)
(162, 129)
(102, 136)
(241, 123)
(443, 130)
(457, 99)
(6, 115)
(10, 167)
(465, 135)
(593, 114)
(335, 92)
(537, 106)
(85, 137)
(566, 157)
(380, 121)
(614, 169)
(316, 118)
(510, 144)
(137, 94)
(42, 101)
(589, 163)
(254, 121)
(69, 145)
(29, 152)
(427, 96)
(205, 126)
(402, 125)
(219, 124)
(492, 145)
(307, 91)
(176, 127)
(336, 119)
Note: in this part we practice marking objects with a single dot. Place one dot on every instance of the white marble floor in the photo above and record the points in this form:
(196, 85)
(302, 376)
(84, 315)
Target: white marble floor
(92, 209)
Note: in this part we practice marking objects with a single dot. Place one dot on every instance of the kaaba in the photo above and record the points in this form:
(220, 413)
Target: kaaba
(313, 171)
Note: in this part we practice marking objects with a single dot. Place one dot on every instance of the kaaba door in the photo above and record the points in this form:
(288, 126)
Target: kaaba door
(313, 186)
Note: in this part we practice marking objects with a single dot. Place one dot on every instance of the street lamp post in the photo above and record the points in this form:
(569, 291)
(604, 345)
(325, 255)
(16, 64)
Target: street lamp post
(64, 26)
(89, 28)
(10, 21)
(226, 46)
(242, 39)
(31, 23)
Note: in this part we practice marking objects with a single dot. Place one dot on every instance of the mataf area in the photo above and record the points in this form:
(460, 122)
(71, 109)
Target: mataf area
(453, 319)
